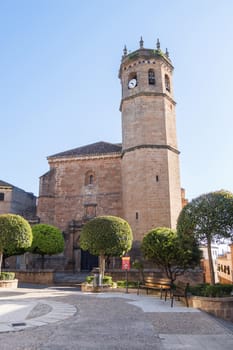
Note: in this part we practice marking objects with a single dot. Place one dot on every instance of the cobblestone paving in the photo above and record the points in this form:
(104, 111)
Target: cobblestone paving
(117, 321)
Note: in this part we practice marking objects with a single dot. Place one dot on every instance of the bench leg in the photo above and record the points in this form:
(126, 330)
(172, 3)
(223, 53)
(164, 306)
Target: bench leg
(138, 288)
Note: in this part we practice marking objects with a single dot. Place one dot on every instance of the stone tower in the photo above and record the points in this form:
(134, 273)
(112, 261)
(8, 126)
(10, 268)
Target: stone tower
(150, 158)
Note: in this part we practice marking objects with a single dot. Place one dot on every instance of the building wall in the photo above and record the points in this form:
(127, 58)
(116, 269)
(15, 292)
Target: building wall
(225, 267)
(66, 195)
(46, 200)
(68, 198)
(146, 200)
(22, 202)
(17, 201)
(5, 204)
(205, 262)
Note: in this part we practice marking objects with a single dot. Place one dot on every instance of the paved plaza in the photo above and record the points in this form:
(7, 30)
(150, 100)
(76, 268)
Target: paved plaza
(60, 318)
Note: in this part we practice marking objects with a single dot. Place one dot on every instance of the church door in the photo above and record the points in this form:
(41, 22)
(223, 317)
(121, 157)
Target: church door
(88, 261)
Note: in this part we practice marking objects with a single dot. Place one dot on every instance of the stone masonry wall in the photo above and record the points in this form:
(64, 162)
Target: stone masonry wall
(73, 196)
(151, 195)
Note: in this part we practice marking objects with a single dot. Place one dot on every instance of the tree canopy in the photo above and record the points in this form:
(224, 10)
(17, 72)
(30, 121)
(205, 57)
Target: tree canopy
(166, 250)
(15, 234)
(106, 236)
(47, 240)
(208, 218)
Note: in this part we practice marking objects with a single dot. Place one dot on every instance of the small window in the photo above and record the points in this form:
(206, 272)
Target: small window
(2, 196)
(167, 83)
(89, 178)
(151, 77)
(137, 216)
(157, 178)
(89, 210)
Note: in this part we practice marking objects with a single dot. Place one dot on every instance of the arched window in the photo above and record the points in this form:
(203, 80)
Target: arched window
(151, 77)
(167, 83)
(89, 178)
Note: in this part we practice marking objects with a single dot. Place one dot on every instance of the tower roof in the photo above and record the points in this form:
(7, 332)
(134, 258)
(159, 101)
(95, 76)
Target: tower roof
(98, 148)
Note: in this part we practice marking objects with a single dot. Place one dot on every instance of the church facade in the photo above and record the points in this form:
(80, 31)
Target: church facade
(138, 180)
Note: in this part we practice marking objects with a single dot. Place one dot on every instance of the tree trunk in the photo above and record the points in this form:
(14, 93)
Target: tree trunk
(102, 266)
(211, 266)
(0, 262)
(3, 262)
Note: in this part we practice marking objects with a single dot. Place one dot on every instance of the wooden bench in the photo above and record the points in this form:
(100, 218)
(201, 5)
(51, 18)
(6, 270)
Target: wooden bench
(160, 284)
(180, 291)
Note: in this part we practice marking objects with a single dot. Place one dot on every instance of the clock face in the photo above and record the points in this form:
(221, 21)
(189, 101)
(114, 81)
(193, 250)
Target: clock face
(132, 83)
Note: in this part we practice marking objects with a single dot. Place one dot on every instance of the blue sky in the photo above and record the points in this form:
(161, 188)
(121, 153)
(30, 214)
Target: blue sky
(59, 86)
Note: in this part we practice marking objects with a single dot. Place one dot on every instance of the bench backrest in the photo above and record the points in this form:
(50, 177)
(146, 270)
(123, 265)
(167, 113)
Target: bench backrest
(152, 281)
(182, 287)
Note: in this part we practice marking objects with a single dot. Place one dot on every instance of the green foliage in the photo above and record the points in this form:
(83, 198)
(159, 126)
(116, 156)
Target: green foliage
(138, 265)
(7, 276)
(15, 234)
(166, 250)
(8, 252)
(107, 236)
(206, 218)
(47, 240)
(214, 291)
(89, 279)
(107, 280)
(131, 284)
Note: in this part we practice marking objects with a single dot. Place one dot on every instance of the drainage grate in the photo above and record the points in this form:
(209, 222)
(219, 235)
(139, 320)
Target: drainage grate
(19, 324)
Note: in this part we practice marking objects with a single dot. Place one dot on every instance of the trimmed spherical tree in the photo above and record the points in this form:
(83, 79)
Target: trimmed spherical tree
(166, 250)
(106, 236)
(15, 234)
(47, 240)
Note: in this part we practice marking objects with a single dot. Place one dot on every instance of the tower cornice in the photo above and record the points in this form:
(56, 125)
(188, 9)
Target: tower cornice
(167, 147)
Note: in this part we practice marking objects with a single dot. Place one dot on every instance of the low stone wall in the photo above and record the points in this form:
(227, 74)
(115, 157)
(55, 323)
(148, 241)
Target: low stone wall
(9, 283)
(38, 277)
(220, 307)
(193, 276)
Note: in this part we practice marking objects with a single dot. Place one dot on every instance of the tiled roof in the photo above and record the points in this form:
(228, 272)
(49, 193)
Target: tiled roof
(97, 148)
(5, 184)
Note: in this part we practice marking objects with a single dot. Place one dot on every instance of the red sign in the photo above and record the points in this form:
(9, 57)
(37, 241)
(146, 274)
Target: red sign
(126, 263)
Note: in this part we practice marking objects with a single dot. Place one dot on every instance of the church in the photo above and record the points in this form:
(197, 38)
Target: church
(138, 179)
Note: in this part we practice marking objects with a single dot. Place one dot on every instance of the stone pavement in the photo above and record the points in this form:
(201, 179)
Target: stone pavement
(54, 318)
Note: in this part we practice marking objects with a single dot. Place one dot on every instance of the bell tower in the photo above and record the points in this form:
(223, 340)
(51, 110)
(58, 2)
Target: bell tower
(150, 158)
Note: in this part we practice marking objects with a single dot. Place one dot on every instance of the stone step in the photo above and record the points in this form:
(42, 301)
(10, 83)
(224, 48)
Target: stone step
(67, 278)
